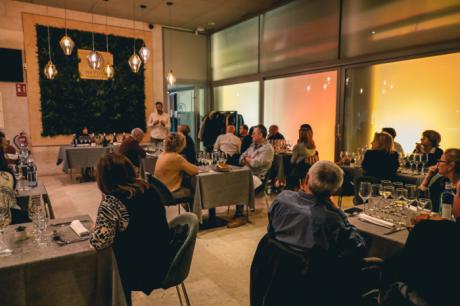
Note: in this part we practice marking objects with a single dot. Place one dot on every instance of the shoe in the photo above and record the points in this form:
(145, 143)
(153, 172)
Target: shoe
(237, 222)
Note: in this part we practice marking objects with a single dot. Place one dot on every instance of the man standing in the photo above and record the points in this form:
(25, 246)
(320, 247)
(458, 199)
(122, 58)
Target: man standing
(258, 158)
(160, 123)
(228, 143)
(274, 133)
(130, 147)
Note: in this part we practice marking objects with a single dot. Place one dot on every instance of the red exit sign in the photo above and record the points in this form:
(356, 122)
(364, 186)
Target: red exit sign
(21, 90)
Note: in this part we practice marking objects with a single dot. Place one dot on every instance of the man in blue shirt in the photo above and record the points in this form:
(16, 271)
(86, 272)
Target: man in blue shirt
(309, 219)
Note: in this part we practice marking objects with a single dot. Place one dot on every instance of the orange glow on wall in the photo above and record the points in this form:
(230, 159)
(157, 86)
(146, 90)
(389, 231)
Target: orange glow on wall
(290, 102)
(416, 95)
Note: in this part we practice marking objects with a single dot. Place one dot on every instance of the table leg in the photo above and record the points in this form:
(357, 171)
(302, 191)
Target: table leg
(212, 221)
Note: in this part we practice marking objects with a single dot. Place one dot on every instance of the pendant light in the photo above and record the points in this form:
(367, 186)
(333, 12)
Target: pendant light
(108, 69)
(144, 52)
(95, 60)
(50, 70)
(134, 61)
(66, 42)
(170, 76)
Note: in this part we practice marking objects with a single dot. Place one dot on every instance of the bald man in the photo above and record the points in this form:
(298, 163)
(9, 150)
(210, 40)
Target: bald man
(228, 143)
(130, 146)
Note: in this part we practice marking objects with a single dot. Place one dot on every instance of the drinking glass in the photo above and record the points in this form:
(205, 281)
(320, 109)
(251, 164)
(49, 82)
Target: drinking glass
(5, 220)
(411, 193)
(398, 185)
(388, 191)
(365, 191)
(425, 206)
(37, 213)
(424, 160)
(401, 194)
(386, 183)
(417, 162)
(377, 190)
(412, 163)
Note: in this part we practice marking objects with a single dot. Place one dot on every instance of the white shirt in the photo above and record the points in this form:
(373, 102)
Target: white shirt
(228, 143)
(159, 131)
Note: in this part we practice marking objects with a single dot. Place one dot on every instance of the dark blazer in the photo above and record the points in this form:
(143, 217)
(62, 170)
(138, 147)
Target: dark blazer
(143, 250)
(281, 275)
(189, 150)
(245, 143)
(380, 164)
(132, 150)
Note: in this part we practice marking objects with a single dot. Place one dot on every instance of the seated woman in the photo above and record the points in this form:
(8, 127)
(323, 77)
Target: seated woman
(446, 170)
(304, 155)
(131, 219)
(381, 161)
(429, 143)
(171, 166)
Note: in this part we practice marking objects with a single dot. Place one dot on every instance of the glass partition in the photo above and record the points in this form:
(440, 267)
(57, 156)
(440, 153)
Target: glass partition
(373, 26)
(293, 101)
(410, 96)
(243, 98)
(299, 32)
(235, 51)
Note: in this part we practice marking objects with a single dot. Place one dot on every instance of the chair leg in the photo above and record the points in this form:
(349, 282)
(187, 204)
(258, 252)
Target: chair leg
(247, 214)
(179, 295)
(266, 200)
(185, 294)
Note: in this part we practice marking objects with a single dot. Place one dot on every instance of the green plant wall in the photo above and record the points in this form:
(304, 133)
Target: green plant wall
(68, 103)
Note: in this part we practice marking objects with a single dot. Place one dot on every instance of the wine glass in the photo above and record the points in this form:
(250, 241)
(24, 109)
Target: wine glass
(37, 213)
(417, 162)
(365, 190)
(5, 220)
(424, 160)
(412, 163)
(411, 193)
(401, 194)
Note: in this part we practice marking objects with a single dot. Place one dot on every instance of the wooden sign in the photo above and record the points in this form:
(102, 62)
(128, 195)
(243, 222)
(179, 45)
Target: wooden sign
(21, 90)
(86, 72)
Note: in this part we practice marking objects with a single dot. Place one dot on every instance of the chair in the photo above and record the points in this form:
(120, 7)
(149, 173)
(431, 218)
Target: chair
(180, 265)
(165, 195)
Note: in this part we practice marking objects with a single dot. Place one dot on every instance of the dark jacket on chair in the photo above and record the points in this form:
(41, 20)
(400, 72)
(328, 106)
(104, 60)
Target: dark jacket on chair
(380, 164)
(281, 275)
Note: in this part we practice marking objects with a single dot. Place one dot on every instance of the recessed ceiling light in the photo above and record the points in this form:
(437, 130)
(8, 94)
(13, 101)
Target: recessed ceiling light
(373, 32)
(211, 23)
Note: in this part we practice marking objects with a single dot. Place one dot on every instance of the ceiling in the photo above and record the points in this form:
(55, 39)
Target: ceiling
(211, 15)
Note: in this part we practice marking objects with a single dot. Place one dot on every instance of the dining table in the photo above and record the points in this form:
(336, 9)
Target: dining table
(52, 274)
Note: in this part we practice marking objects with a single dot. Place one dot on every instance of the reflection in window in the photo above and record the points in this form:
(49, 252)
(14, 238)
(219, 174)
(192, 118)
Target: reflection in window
(291, 102)
(410, 96)
(243, 98)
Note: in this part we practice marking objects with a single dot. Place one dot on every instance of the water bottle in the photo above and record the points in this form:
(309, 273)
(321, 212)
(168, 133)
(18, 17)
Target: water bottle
(447, 201)
(32, 174)
(269, 187)
(23, 154)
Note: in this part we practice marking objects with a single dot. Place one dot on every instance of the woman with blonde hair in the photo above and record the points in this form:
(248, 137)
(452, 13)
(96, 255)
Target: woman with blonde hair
(132, 220)
(381, 161)
(171, 166)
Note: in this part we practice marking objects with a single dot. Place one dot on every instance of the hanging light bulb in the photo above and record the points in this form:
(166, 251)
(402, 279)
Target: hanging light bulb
(50, 70)
(66, 42)
(144, 52)
(135, 62)
(109, 71)
(171, 78)
(95, 60)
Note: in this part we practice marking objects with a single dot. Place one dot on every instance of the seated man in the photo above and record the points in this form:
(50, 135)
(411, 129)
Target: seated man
(228, 143)
(259, 158)
(308, 219)
(274, 133)
(130, 147)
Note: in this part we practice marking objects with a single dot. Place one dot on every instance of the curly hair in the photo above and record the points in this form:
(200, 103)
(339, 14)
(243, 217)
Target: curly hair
(174, 142)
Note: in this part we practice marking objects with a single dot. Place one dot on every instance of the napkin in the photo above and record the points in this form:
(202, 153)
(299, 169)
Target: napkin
(374, 220)
(78, 228)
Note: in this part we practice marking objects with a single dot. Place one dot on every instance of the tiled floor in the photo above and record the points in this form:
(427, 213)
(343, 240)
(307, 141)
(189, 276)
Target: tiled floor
(222, 258)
